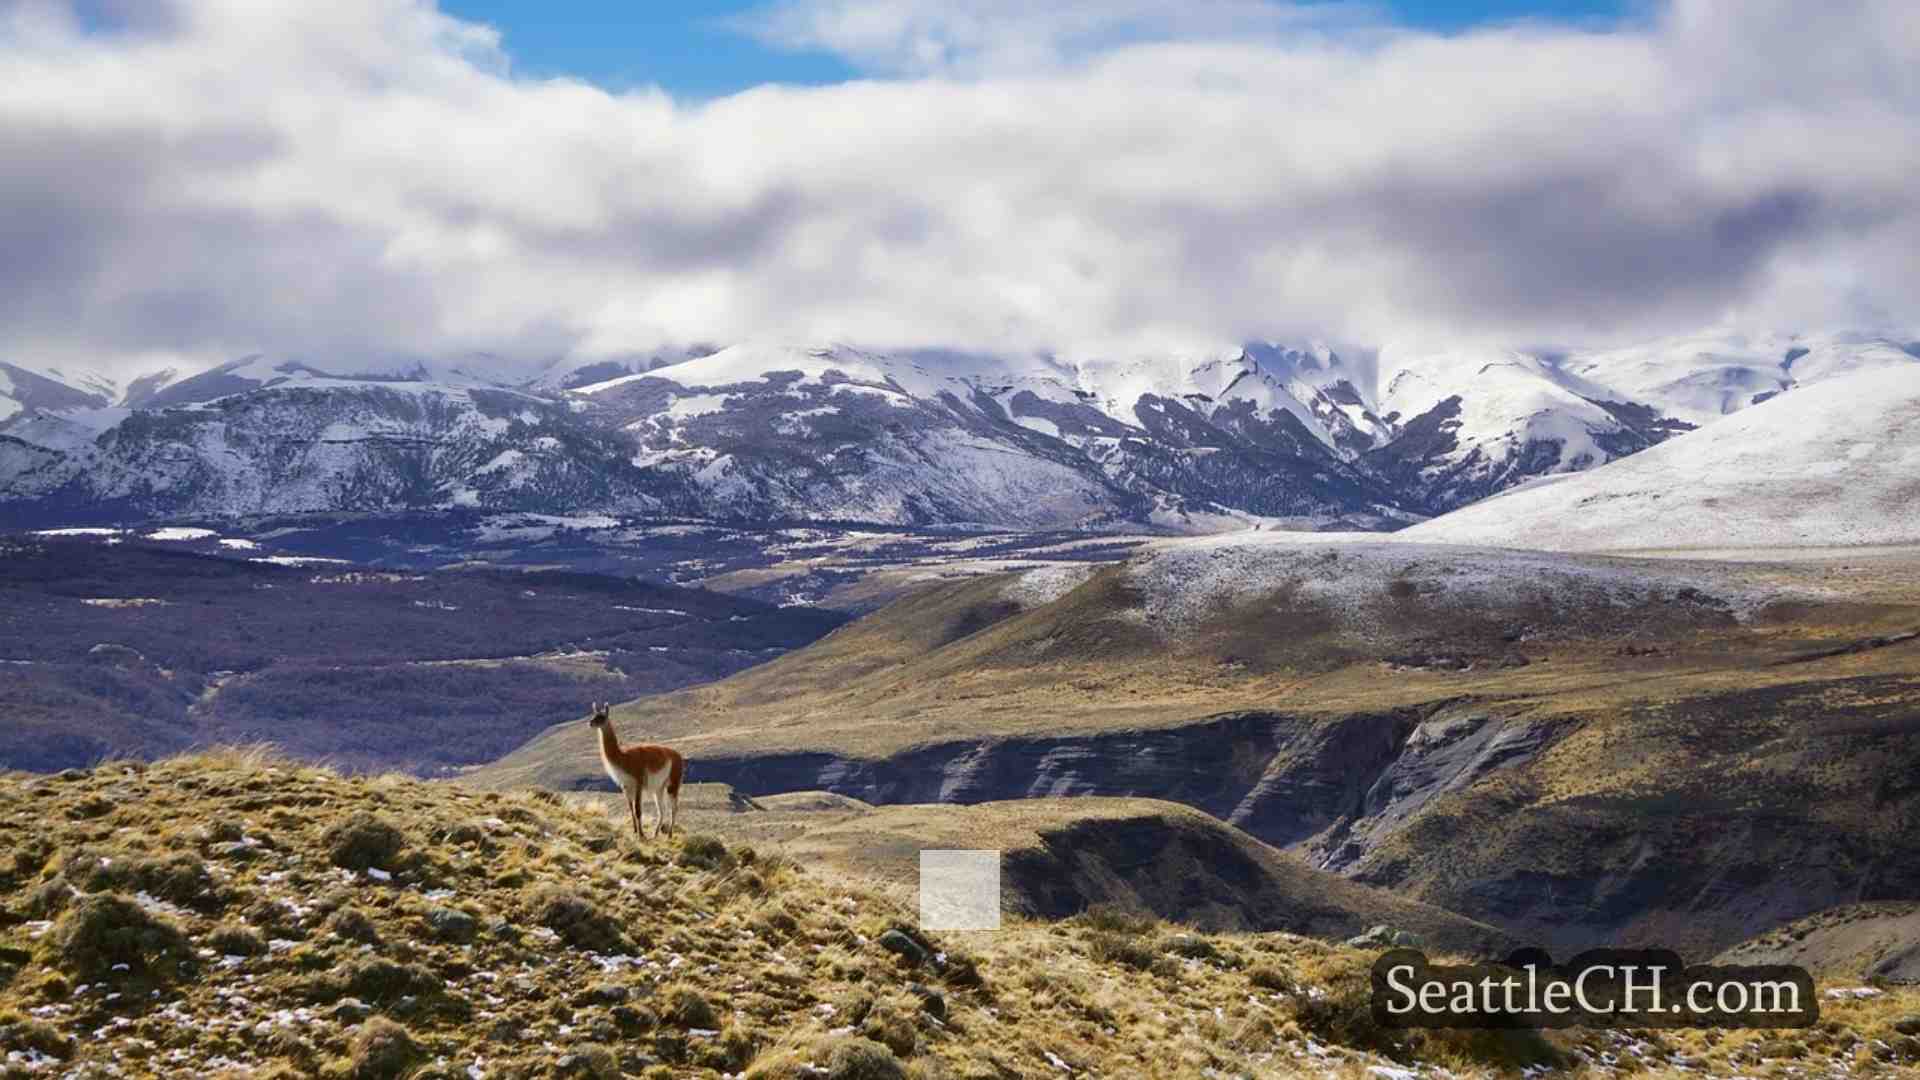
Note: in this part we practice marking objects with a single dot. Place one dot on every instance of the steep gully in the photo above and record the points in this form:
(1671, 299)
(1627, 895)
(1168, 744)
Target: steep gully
(1342, 792)
(1333, 787)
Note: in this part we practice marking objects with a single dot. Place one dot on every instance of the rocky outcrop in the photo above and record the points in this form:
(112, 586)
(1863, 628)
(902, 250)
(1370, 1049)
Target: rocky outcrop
(1331, 784)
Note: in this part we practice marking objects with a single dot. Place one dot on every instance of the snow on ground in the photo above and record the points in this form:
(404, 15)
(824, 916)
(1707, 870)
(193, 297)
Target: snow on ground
(179, 532)
(1702, 377)
(1184, 582)
(1046, 584)
(753, 362)
(80, 532)
(1829, 465)
(300, 560)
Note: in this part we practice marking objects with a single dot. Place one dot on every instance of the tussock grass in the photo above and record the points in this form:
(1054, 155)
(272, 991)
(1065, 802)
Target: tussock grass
(588, 954)
(383, 1050)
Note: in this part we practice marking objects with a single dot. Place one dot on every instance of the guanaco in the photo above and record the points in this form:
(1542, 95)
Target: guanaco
(647, 770)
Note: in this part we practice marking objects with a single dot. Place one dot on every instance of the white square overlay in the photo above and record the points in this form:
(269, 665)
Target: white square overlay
(959, 890)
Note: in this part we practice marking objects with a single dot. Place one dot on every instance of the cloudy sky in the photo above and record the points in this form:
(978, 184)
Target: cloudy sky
(198, 179)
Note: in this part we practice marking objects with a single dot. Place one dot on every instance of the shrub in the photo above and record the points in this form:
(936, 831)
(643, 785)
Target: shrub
(383, 1050)
(592, 1060)
(577, 921)
(777, 923)
(1196, 948)
(363, 842)
(1269, 976)
(179, 878)
(835, 1057)
(354, 925)
(688, 1008)
(737, 1045)
(1111, 948)
(706, 851)
(1113, 919)
(30, 857)
(49, 899)
(22, 1033)
(233, 939)
(102, 930)
(378, 981)
(891, 1028)
(861, 1059)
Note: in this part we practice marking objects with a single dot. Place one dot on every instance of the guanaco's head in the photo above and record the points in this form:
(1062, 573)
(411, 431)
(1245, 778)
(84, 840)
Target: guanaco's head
(600, 717)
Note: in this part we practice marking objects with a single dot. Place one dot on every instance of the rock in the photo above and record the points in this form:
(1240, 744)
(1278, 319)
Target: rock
(1907, 1025)
(901, 944)
(601, 993)
(1407, 939)
(116, 655)
(932, 1002)
(351, 1011)
(1375, 937)
(452, 924)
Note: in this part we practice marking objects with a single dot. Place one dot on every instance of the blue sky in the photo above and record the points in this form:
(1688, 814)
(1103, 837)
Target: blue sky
(687, 47)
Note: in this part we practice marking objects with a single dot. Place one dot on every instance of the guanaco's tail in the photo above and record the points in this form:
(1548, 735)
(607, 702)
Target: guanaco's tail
(678, 773)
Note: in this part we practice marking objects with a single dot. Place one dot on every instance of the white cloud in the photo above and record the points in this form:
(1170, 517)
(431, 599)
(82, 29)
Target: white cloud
(364, 176)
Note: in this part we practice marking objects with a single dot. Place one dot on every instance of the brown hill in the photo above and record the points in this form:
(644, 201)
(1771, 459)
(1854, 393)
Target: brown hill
(1879, 942)
(230, 915)
(1062, 857)
(1578, 750)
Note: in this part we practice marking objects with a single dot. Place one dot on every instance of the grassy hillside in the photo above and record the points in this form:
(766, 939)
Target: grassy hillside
(233, 915)
(1001, 656)
(1066, 856)
(1854, 941)
(132, 649)
(1576, 749)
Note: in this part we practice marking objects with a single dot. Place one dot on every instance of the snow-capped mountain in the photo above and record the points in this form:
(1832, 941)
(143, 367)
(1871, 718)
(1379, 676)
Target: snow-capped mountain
(1472, 422)
(1832, 464)
(1316, 437)
(259, 437)
(840, 432)
(25, 394)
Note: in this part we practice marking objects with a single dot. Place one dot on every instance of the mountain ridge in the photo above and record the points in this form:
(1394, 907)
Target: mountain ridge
(1183, 440)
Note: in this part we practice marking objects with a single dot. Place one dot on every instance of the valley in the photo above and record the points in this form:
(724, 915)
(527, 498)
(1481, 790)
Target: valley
(142, 649)
(1576, 749)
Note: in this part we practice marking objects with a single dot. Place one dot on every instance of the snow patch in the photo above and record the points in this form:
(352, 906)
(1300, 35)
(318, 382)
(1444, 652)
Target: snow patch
(1044, 585)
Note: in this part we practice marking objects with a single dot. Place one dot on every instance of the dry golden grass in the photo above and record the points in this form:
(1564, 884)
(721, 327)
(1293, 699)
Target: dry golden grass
(525, 935)
(961, 660)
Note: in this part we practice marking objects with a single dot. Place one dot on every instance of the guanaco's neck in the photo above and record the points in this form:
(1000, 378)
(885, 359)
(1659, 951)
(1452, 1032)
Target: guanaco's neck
(609, 743)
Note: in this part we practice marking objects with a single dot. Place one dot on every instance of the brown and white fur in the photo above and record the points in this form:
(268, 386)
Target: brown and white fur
(647, 770)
